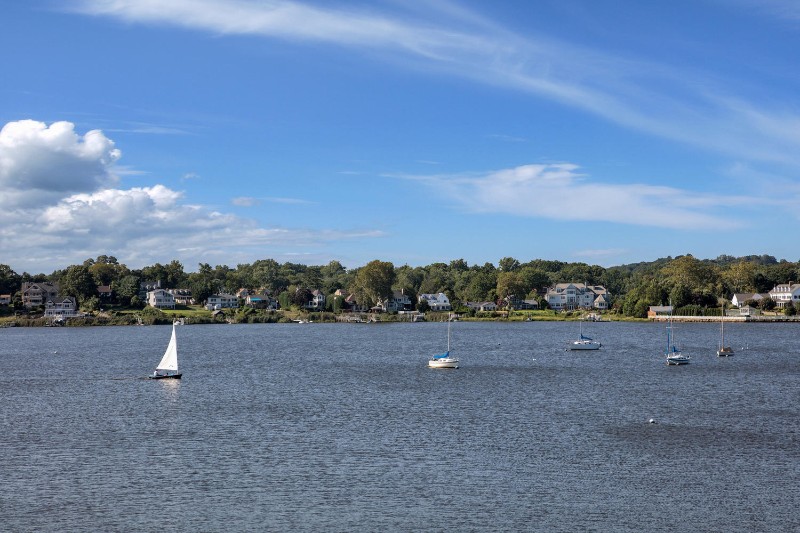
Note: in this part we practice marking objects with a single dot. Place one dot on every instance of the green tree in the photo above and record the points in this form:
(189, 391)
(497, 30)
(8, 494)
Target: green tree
(508, 264)
(126, 288)
(10, 281)
(77, 281)
(374, 282)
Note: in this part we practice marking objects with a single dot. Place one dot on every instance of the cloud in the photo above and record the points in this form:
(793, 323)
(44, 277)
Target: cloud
(39, 164)
(681, 103)
(560, 192)
(59, 206)
(245, 201)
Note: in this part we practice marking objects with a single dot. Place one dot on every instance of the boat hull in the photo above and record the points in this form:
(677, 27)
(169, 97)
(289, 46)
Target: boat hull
(584, 345)
(675, 361)
(725, 352)
(443, 363)
(169, 376)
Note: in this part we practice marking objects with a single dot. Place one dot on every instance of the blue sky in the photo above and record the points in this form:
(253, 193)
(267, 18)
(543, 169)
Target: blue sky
(226, 131)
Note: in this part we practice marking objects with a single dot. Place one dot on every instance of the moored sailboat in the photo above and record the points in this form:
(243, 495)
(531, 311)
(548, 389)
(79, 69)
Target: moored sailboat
(584, 342)
(444, 360)
(168, 366)
(723, 351)
(673, 354)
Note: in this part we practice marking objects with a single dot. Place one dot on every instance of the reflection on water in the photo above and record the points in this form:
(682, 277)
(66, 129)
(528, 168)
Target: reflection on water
(343, 427)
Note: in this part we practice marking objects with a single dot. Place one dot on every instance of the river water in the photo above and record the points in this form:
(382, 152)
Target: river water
(334, 427)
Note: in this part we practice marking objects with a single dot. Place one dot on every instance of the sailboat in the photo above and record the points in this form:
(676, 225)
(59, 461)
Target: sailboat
(584, 342)
(443, 360)
(168, 367)
(724, 351)
(674, 355)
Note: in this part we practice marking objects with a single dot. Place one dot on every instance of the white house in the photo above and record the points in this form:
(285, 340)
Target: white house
(437, 302)
(739, 298)
(61, 308)
(571, 296)
(785, 293)
(160, 299)
(222, 301)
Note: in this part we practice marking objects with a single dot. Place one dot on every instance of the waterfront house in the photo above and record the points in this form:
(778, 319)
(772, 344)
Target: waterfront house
(5, 299)
(571, 296)
(437, 302)
(399, 301)
(61, 308)
(36, 294)
(786, 293)
(482, 306)
(261, 301)
(317, 301)
(519, 304)
(182, 296)
(160, 299)
(659, 311)
(740, 298)
(222, 301)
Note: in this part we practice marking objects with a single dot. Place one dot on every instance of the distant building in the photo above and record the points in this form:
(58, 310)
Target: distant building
(399, 301)
(222, 301)
(571, 296)
(182, 296)
(160, 299)
(61, 308)
(785, 293)
(317, 301)
(739, 299)
(437, 302)
(36, 294)
(482, 306)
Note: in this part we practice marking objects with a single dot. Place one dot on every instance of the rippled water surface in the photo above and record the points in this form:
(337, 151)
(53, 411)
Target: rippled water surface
(324, 427)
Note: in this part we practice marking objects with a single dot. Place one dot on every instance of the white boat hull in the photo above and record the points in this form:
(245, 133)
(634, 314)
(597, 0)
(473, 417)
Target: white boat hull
(678, 360)
(447, 362)
(585, 345)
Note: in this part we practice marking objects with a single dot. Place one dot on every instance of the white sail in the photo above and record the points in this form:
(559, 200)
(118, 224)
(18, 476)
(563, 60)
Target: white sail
(170, 359)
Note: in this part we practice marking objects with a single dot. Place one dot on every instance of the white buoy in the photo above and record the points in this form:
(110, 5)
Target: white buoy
(652, 421)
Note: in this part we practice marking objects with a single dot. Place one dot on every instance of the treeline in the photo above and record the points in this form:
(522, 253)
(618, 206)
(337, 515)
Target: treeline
(683, 280)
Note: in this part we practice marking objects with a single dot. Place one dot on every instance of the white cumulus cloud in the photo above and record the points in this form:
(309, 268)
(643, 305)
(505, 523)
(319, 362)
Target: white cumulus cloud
(39, 164)
(59, 206)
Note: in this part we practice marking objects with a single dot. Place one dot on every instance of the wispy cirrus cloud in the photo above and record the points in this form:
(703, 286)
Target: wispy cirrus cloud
(249, 201)
(678, 102)
(559, 191)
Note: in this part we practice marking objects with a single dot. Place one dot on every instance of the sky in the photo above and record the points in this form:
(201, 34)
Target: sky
(228, 131)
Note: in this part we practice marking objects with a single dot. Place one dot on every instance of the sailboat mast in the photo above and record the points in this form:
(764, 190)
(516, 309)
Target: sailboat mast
(448, 331)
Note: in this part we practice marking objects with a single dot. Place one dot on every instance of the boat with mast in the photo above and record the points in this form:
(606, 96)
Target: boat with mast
(584, 342)
(443, 360)
(723, 351)
(168, 367)
(673, 354)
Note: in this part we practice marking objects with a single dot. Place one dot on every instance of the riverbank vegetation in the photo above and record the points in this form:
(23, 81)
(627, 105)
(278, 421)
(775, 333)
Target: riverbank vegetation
(694, 286)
